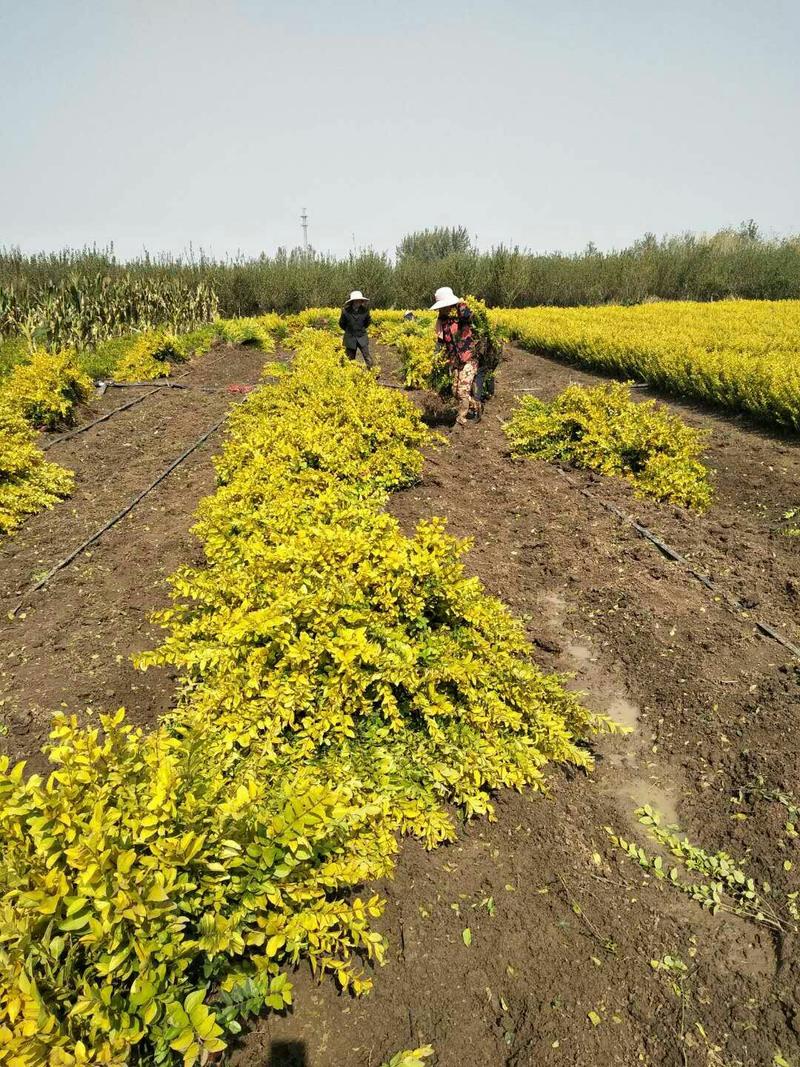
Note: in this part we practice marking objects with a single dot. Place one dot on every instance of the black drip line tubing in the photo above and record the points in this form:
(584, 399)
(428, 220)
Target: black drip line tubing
(154, 386)
(676, 557)
(116, 518)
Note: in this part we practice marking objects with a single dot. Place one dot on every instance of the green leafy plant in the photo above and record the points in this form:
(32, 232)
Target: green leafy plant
(341, 681)
(675, 968)
(792, 521)
(248, 331)
(416, 1057)
(736, 354)
(46, 388)
(148, 357)
(758, 790)
(80, 311)
(425, 365)
(725, 886)
(150, 883)
(406, 675)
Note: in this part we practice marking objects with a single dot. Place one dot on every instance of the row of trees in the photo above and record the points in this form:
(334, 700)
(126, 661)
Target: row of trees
(731, 263)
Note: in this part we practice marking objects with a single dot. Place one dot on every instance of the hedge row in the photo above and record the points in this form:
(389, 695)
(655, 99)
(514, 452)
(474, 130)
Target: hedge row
(341, 682)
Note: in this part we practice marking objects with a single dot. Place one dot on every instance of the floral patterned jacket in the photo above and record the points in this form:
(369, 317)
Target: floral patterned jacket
(455, 335)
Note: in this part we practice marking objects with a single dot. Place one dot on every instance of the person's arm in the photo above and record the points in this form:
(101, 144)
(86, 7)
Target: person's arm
(464, 315)
(343, 320)
(369, 320)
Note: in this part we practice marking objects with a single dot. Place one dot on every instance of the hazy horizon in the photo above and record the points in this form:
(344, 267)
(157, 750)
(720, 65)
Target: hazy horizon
(155, 126)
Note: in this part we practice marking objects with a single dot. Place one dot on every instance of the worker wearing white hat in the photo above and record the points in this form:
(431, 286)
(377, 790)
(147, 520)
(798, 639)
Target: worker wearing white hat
(354, 321)
(444, 297)
(455, 335)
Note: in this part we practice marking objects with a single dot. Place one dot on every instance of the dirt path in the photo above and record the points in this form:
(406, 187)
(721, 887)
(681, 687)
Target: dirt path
(741, 541)
(571, 927)
(72, 641)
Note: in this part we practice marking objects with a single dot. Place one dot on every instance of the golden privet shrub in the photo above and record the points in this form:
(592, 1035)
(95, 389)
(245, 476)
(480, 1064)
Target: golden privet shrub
(155, 890)
(28, 483)
(46, 388)
(150, 355)
(318, 629)
(604, 430)
(743, 355)
(424, 363)
(248, 331)
(340, 681)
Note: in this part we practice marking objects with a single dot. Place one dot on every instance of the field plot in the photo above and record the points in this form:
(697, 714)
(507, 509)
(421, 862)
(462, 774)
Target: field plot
(561, 925)
(541, 937)
(73, 645)
(743, 355)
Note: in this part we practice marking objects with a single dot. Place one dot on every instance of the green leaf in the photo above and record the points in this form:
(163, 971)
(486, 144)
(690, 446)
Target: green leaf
(76, 923)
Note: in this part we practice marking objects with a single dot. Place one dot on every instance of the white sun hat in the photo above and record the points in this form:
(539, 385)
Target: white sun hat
(356, 295)
(444, 298)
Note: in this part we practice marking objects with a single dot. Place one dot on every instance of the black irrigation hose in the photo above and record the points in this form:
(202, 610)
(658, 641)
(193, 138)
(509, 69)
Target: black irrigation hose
(120, 515)
(676, 557)
(160, 383)
(104, 384)
(176, 385)
(94, 422)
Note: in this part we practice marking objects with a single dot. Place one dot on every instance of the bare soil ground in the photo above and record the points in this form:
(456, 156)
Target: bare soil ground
(561, 925)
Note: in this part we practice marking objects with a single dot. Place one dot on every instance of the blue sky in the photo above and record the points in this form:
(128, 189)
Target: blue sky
(155, 123)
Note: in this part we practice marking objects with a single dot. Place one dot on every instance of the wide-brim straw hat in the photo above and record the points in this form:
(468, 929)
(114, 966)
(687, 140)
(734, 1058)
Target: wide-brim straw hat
(444, 298)
(356, 295)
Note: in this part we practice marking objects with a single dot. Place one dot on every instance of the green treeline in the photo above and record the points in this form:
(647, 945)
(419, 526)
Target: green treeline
(731, 263)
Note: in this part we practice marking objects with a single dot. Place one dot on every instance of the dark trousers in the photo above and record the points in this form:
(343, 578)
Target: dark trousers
(353, 344)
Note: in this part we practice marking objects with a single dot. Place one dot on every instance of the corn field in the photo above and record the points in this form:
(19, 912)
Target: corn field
(79, 312)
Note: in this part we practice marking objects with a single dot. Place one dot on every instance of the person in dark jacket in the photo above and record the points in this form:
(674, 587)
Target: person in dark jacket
(355, 320)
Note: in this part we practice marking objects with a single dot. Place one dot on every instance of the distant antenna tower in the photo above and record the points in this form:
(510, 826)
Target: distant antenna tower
(304, 221)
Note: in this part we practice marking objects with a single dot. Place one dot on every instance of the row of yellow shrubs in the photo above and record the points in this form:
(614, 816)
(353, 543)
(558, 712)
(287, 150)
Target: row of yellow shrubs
(41, 392)
(341, 682)
(604, 430)
(743, 355)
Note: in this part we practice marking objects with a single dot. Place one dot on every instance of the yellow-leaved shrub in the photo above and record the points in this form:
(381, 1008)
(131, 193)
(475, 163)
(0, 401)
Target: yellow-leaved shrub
(603, 429)
(149, 355)
(255, 331)
(424, 363)
(28, 483)
(340, 681)
(743, 355)
(46, 388)
(319, 630)
(155, 889)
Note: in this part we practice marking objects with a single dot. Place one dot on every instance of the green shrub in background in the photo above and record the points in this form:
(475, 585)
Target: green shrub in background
(94, 295)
